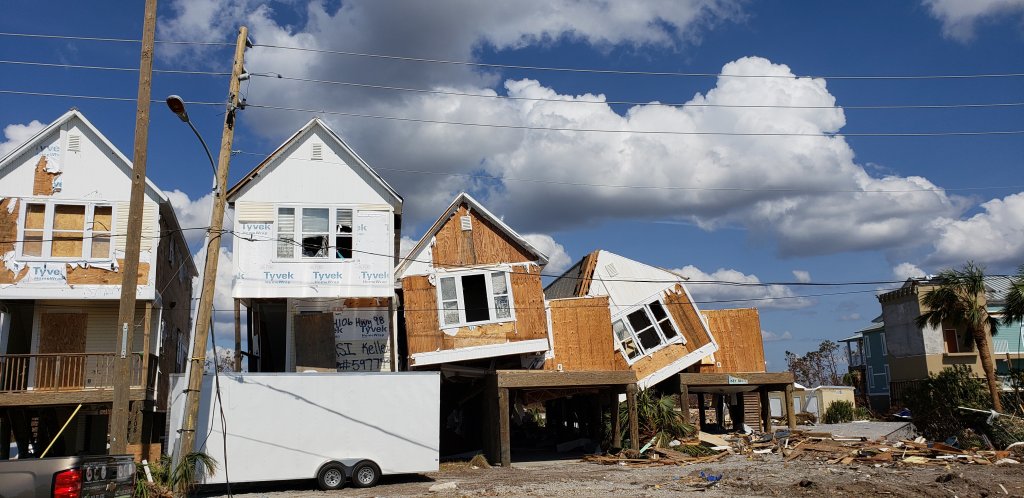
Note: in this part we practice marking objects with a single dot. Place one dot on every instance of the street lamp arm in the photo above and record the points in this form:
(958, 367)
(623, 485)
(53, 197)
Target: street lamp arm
(205, 147)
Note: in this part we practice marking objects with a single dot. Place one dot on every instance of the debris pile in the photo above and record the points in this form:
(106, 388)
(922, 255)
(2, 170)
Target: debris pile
(814, 446)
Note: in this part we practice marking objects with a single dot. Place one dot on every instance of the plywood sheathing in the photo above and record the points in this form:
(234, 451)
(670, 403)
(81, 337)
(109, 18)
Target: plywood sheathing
(314, 341)
(42, 183)
(494, 333)
(61, 333)
(484, 244)
(685, 315)
(738, 333)
(659, 359)
(8, 236)
(101, 276)
(528, 299)
(582, 333)
(422, 331)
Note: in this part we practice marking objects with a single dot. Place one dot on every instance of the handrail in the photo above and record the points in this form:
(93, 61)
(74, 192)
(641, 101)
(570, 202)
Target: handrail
(63, 371)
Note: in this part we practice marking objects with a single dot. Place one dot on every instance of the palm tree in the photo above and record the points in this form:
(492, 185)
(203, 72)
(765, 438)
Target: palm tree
(959, 300)
(1013, 309)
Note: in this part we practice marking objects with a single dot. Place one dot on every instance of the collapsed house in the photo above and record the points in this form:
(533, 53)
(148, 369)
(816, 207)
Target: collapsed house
(64, 209)
(316, 233)
(513, 358)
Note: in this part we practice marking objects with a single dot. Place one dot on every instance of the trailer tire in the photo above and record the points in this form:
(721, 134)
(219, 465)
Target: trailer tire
(365, 474)
(331, 476)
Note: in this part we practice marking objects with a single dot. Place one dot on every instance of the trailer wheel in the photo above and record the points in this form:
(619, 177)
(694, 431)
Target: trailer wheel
(331, 476)
(365, 474)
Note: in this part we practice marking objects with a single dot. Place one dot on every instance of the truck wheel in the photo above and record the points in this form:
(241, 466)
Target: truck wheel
(365, 474)
(331, 476)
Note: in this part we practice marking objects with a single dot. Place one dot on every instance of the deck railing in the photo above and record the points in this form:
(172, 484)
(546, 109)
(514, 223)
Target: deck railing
(63, 371)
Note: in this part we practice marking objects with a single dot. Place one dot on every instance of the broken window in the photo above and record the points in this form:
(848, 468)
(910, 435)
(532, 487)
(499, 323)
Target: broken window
(645, 330)
(474, 298)
(286, 232)
(958, 341)
(319, 232)
(315, 232)
(61, 231)
(343, 234)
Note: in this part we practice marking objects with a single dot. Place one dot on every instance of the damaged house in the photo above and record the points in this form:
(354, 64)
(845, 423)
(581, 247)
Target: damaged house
(63, 224)
(316, 233)
(473, 307)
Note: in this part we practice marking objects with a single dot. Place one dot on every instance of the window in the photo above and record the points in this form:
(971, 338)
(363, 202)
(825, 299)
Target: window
(475, 298)
(645, 330)
(881, 337)
(957, 342)
(867, 345)
(871, 377)
(314, 232)
(67, 231)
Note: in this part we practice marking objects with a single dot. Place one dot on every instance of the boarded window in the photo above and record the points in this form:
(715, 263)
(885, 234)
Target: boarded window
(68, 231)
(35, 220)
(286, 232)
(102, 225)
(343, 234)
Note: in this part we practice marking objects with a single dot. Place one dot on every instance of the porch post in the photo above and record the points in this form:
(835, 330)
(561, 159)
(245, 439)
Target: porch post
(766, 412)
(634, 429)
(790, 412)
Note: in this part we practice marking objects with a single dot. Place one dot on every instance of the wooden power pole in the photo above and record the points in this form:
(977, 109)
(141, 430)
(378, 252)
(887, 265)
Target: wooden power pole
(205, 312)
(119, 415)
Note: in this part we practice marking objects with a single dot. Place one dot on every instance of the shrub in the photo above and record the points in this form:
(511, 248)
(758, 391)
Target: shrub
(839, 412)
(933, 402)
(657, 419)
(861, 413)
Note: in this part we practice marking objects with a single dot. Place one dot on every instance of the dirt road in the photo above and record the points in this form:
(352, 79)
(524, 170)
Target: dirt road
(764, 475)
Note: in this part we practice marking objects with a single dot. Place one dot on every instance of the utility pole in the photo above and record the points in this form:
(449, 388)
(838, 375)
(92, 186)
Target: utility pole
(205, 312)
(119, 415)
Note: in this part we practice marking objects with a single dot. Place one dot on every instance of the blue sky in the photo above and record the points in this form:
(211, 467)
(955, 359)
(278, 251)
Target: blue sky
(804, 213)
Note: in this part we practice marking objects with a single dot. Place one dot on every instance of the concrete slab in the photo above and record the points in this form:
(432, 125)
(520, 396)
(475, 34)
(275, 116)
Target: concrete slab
(893, 431)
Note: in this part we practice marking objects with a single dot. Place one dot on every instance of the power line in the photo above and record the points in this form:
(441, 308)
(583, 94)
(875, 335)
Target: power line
(484, 176)
(278, 76)
(638, 132)
(108, 68)
(116, 40)
(94, 97)
(635, 72)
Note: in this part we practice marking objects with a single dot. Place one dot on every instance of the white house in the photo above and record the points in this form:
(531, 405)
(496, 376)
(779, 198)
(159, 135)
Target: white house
(64, 198)
(316, 233)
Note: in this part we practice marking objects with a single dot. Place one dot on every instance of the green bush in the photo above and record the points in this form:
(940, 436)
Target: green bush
(933, 402)
(861, 413)
(839, 412)
(657, 419)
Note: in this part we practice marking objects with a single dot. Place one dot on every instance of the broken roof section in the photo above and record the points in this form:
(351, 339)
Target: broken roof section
(421, 258)
(330, 138)
(657, 329)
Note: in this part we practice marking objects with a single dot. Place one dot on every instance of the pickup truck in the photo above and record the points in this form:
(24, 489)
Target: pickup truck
(68, 477)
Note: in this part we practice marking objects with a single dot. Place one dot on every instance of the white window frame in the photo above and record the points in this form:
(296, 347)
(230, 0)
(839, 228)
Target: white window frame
(871, 377)
(462, 300)
(50, 207)
(332, 233)
(664, 342)
(867, 347)
(881, 337)
(885, 387)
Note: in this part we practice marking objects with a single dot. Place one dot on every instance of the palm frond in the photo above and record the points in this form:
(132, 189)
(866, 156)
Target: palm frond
(1013, 309)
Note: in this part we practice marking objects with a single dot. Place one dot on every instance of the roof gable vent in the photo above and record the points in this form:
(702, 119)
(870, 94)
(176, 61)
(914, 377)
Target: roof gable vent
(74, 143)
(467, 223)
(611, 270)
(317, 153)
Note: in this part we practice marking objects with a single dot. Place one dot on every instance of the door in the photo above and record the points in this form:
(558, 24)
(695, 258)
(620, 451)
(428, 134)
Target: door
(61, 364)
(314, 342)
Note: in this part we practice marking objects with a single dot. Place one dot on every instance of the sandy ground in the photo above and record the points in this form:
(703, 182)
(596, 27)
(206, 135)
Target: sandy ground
(741, 475)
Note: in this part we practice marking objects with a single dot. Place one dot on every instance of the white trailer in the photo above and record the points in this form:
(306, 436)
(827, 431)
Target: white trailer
(332, 427)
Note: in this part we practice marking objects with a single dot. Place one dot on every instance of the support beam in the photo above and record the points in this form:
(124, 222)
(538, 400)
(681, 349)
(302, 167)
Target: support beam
(790, 413)
(684, 402)
(738, 411)
(766, 412)
(504, 438)
(146, 337)
(616, 421)
(634, 426)
(702, 418)
(719, 412)
(5, 437)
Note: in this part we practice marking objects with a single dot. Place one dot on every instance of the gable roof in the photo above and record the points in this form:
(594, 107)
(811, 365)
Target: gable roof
(152, 189)
(464, 198)
(576, 281)
(73, 113)
(306, 129)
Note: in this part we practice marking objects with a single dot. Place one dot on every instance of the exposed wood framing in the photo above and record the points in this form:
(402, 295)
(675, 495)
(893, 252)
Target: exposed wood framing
(41, 397)
(685, 315)
(719, 379)
(587, 274)
(42, 182)
(546, 378)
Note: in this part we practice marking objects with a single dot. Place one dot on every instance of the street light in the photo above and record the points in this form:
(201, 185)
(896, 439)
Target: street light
(177, 106)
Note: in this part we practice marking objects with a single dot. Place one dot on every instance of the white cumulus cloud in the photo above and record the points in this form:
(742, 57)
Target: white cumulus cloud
(16, 134)
(961, 17)
(994, 236)
(904, 271)
(725, 292)
(768, 336)
(558, 258)
(802, 276)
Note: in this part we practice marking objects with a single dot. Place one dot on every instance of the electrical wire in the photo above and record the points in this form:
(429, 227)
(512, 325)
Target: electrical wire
(117, 40)
(110, 68)
(484, 176)
(638, 132)
(96, 97)
(278, 76)
(637, 72)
